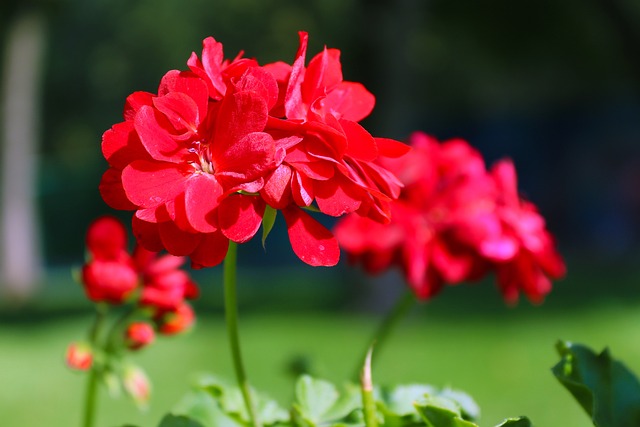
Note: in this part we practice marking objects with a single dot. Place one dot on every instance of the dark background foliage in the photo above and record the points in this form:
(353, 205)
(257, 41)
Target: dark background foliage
(553, 85)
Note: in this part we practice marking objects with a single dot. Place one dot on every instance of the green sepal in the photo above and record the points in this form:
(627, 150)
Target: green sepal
(268, 220)
(605, 388)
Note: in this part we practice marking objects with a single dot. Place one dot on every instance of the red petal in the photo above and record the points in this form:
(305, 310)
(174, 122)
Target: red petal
(155, 139)
(240, 114)
(351, 101)
(310, 240)
(134, 102)
(106, 238)
(211, 251)
(247, 159)
(301, 189)
(276, 190)
(176, 241)
(121, 145)
(323, 73)
(201, 196)
(147, 234)
(180, 109)
(260, 81)
(391, 148)
(188, 83)
(149, 184)
(294, 107)
(360, 143)
(112, 191)
(337, 196)
(211, 65)
(240, 217)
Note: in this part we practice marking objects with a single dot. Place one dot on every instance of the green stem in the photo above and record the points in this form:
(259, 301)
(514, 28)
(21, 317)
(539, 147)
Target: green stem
(368, 401)
(402, 306)
(231, 312)
(92, 381)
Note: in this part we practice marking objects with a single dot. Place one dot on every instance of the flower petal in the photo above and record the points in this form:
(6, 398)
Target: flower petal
(310, 240)
(352, 101)
(211, 250)
(176, 241)
(240, 217)
(106, 238)
(149, 184)
(201, 197)
(156, 139)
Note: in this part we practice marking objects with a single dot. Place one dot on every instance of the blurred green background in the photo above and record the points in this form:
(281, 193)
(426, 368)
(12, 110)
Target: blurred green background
(553, 85)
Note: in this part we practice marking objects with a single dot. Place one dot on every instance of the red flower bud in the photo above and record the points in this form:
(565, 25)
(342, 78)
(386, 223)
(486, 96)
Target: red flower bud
(174, 322)
(79, 356)
(138, 335)
(109, 281)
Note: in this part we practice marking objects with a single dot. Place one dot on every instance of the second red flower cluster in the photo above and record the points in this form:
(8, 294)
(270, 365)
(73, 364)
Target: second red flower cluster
(455, 221)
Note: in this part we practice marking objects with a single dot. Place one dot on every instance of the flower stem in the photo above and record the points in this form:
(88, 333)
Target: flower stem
(366, 385)
(92, 381)
(402, 306)
(231, 312)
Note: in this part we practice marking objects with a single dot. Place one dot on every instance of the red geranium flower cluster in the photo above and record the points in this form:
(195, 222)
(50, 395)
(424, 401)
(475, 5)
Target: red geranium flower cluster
(203, 159)
(456, 221)
(156, 284)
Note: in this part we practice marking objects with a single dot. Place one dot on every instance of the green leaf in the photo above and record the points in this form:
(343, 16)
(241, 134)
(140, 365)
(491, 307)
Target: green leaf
(268, 219)
(604, 387)
(516, 422)
(400, 401)
(441, 412)
(231, 402)
(201, 406)
(171, 420)
(320, 402)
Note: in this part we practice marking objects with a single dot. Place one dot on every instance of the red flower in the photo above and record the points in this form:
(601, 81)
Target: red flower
(446, 191)
(138, 335)
(531, 259)
(164, 285)
(176, 321)
(201, 160)
(454, 222)
(79, 356)
(110, 275)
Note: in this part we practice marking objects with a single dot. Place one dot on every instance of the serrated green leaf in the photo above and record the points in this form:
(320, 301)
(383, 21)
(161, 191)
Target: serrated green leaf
(468, 407)
(441, 412)
(605, 388)
(400, 400)
(231, 402)
(171, 420)
(201, 406)
(516, 422)
(268, 219)
(319, 402)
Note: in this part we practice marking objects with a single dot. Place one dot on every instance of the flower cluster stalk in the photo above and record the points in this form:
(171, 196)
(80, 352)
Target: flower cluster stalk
(231, 313)
(92, 381)
(403, 305)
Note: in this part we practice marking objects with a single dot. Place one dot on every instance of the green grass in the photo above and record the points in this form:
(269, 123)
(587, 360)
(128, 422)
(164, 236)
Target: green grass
(501, 358)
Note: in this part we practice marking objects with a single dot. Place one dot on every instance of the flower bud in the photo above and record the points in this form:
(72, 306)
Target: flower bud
(109, 281)
(179, 320)
(137, 385)
(138, 335)
(79, 356)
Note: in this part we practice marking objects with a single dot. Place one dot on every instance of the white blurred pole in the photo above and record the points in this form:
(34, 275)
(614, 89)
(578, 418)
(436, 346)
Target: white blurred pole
(20, 252)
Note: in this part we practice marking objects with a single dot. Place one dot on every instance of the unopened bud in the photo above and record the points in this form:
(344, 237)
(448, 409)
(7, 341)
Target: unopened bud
(138, 335)
(79, 356)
